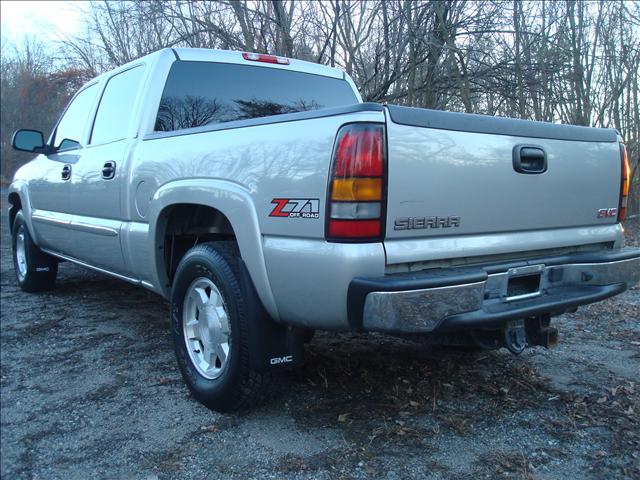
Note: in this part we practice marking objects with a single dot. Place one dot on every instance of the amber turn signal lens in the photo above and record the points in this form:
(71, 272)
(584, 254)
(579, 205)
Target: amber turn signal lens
(626, 172)
(625, 182)
(357, 189)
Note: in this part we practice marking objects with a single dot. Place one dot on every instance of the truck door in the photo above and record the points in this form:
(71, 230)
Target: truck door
(100, 175)
(50, 185)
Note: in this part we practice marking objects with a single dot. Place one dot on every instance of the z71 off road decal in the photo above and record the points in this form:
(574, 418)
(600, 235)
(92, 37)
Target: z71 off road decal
(296, 208)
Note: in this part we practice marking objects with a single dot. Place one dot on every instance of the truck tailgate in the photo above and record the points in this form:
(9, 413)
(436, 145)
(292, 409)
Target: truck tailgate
(453, 174)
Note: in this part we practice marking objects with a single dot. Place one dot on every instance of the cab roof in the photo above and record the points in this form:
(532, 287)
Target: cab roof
(229, 56)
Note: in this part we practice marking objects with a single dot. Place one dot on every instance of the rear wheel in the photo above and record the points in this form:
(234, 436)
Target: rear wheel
(35, 270)
(210, 329)
(205, 328)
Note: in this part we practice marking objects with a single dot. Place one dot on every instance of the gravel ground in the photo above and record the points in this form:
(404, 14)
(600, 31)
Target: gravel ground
(89, 387)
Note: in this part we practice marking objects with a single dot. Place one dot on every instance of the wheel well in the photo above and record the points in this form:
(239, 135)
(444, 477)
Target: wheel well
(16, 206)
(183, 226)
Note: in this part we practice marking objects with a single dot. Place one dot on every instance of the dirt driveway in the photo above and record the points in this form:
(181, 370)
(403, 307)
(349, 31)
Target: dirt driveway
(89, 389)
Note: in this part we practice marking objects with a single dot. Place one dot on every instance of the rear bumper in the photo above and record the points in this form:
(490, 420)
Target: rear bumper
(469, 298)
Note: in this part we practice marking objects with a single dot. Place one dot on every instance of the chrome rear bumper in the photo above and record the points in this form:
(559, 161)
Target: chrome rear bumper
(450, 299)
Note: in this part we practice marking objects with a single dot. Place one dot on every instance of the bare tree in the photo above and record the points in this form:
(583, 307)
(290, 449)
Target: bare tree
(33, 95)
(565, 61)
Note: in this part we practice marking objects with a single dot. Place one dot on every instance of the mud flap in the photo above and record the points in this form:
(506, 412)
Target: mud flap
(272, 346)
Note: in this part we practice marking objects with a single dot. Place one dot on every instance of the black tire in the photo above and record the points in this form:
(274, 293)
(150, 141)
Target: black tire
(238, 386)
(39, 273)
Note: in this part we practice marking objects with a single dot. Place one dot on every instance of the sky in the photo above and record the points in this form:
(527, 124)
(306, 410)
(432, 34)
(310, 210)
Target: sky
(46, 21)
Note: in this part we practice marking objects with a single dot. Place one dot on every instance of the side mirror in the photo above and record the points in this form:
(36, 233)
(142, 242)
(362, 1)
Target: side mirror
(32, 141)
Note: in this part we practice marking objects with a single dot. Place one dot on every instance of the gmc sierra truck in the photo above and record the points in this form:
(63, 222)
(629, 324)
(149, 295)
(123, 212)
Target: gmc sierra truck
(263, 199)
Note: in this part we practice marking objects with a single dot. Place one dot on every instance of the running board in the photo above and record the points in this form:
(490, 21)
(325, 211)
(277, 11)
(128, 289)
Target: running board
(134, 281)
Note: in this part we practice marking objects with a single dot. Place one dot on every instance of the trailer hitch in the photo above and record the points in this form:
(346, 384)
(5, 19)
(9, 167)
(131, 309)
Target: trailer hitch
(517, 335)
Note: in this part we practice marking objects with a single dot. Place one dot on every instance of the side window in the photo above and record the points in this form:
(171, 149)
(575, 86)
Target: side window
(71, 126)
(116, 106)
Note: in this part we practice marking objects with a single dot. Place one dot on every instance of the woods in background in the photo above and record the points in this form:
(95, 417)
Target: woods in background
(562, 61)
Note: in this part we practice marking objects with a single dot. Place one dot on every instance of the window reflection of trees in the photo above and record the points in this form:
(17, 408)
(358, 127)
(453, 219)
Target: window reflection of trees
(177, 113)
(264, 108)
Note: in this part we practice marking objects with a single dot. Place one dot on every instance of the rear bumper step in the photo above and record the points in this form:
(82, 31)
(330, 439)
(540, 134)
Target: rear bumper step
(483, 297)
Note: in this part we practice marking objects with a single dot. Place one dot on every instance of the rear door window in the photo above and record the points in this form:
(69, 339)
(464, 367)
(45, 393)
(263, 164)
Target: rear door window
(203, 93)
(116, 106)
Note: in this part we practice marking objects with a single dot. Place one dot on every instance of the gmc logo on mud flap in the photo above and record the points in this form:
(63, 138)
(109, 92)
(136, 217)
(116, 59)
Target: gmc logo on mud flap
(296, 208)
(279, 360)
(607, 212)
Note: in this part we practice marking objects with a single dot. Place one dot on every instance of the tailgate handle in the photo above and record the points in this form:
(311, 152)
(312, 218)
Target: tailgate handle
(529, 159)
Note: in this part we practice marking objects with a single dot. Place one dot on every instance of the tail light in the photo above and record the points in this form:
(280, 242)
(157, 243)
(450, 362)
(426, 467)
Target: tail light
(625, 181)
(357, 187)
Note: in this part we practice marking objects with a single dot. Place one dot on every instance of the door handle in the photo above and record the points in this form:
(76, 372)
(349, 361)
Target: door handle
(66, 172)
(529, 159)
(109, 170)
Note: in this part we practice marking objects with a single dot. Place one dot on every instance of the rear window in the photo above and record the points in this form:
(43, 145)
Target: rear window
(200, 93)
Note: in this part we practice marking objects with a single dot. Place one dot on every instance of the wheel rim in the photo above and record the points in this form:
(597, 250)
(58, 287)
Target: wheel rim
(205, 325)
(21, 255)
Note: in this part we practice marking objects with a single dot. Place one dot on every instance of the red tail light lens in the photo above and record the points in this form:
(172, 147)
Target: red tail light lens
(354, 228)
(357, 187)
(625, 181)
(359, 154)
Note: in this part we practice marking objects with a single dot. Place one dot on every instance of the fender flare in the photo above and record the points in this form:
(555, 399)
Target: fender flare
(20, 187)
(233, 201)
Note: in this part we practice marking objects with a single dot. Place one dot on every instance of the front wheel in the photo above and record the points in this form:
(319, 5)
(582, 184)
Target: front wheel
(210, 329)
(35, 270)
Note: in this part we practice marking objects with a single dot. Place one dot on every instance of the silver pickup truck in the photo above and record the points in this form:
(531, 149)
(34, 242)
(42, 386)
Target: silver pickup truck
(265, 200)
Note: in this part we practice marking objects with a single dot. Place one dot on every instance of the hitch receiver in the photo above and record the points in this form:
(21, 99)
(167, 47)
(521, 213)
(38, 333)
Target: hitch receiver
(540, 333)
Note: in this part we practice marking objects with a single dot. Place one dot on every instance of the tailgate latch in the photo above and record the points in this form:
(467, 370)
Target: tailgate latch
(529, 159)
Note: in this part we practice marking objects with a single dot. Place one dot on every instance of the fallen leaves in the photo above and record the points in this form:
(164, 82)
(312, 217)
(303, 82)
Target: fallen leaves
(415, 399)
